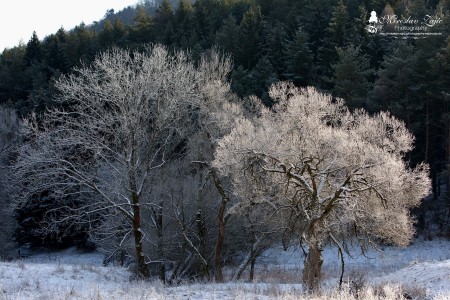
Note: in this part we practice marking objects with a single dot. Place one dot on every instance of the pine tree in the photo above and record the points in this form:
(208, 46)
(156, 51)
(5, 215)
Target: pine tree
(338, 24)
(315, 17)
(204, 22)
(142, 30)
(186, 35)
(434, 74)
(274, 37)
(332, 37)
(240, 81)
(248, 39)
(396, 88)
(261, 78)
(54, 50)
(298, 59)
(163, 22)
(417, 9)
(226, 36)
(358, 33)
(120, 32)
(351, 76)
(14, 82)
(33, 50)
(106, 36)
(82, 45)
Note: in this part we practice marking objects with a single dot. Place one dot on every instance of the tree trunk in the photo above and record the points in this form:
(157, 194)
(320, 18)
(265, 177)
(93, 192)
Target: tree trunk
(242, 267)
(221, 227)
(220, 241)
(142, 267)
(313, 268)
(249, 259)
(160, 247)
(204, 268)
(427, 130)
(447, 144)
(252, 268)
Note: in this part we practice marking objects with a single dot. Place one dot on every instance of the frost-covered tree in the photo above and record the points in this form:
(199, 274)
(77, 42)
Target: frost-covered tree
(215, 119)
(128, 116)
(334, 175)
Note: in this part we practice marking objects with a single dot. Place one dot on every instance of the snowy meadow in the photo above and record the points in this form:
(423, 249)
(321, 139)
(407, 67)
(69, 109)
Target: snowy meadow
(420, 271)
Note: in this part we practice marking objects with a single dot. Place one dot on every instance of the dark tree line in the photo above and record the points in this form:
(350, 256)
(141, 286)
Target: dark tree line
(320, 43)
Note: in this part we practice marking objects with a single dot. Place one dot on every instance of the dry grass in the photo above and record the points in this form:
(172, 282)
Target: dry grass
(145, 290)
(276, 274)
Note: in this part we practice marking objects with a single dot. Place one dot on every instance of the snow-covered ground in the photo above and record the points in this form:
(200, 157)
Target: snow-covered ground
(424, 265)
(422, 270)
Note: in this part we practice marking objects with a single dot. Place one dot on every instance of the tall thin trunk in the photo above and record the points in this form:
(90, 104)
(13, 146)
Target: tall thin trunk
(221, 222)
(252, 268)
(142, 267)
(201, 228)
(220, 242)
(427, 130)
(249, 259)
(160, 246)
(447, 144)
(434, 179)
(242, 267)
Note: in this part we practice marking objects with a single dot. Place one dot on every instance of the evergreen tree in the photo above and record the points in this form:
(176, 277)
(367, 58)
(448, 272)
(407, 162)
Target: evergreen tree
(82, 45)
(120, 32)
(298, 58)
(338, 25)
(315, 19)
(204, 23)
(248, 39)
(351, 76)
(274, 40)
(226, 36)
(417, 9)
(14, 82)
(142, 30)
(335, 37)
(260, 80)
(434, 75)
(106, 36)
(240, 81)
(274, 10)
(186, 35)
(163, 21)
(396, 88)
(358, 33)
(113, 34)
(33, 50)
(54, 49)
(377, 5)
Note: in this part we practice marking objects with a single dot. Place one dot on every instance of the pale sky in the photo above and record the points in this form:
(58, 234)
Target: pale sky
(19, 18)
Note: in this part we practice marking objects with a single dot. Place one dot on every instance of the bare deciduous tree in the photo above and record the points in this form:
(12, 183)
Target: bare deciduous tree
(127, 116)
(218, 113)
(331, 173)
